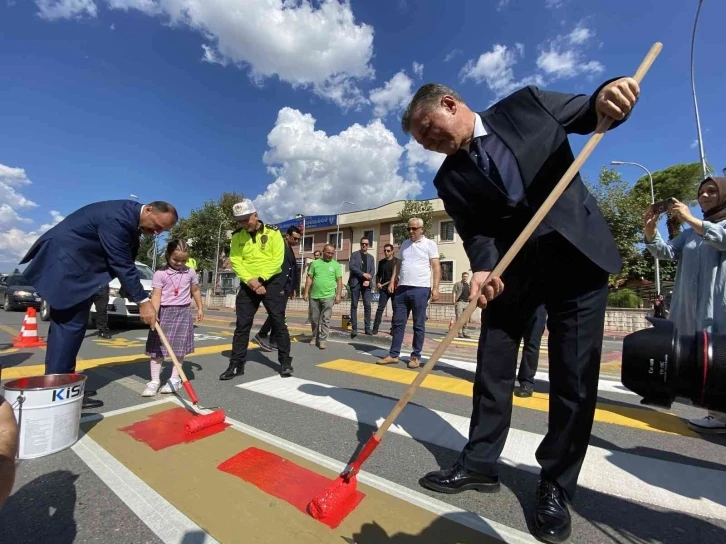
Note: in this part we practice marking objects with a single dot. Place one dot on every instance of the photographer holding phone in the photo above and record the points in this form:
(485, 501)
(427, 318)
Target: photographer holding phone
(699, 293)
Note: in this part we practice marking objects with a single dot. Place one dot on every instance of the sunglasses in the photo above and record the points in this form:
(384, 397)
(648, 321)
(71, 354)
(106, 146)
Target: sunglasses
(364, 244)
(412, 228)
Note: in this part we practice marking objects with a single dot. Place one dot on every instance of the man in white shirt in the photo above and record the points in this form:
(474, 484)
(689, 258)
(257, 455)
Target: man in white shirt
(412, 286)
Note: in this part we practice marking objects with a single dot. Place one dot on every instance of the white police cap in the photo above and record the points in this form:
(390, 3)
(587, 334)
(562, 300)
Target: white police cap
(243, 209)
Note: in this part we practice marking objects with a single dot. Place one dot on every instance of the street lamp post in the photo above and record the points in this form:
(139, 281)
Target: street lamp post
(337, 221)
(701, 152)
(216, 261)
(652, 201)
(302, 247)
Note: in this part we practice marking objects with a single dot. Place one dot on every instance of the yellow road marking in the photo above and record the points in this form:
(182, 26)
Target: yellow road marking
(475, 343)
(12, 332)
(626, 416)
(118, 343)
(81, 365)
(8, 350)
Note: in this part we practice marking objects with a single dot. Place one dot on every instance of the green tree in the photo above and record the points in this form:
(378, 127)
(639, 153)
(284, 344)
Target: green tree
(413, 208)
(680, 181)
(202, 228)
(146, 250)
(623, 213)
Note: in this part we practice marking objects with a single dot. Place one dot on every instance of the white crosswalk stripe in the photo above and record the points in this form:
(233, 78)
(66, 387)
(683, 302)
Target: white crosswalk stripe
(684, 488)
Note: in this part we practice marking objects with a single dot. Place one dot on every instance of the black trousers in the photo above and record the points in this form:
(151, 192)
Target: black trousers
(67, 330)
(356, 293)
(269, 325)
(530, 351)
(383, 297)
(549, 271)
(246, 306)
(100, 299)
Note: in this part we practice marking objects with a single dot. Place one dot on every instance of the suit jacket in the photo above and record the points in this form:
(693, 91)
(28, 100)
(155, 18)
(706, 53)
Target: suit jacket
(289, 271)
(456, 290)
(356, 273)
(534, 125)
(88, 248)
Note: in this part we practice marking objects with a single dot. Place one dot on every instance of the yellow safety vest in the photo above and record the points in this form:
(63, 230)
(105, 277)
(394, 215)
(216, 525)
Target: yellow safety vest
(257, 255)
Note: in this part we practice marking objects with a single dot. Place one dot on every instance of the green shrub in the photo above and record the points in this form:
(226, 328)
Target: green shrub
(624, 298)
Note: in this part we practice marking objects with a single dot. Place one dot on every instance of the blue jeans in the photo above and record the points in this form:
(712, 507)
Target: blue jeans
(408, 299)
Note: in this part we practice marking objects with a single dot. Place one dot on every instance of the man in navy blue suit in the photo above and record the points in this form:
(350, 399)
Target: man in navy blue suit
(89, 248)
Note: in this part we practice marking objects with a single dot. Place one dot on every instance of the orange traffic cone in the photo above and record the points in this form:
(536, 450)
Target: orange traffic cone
(451, 323)
(28, 337)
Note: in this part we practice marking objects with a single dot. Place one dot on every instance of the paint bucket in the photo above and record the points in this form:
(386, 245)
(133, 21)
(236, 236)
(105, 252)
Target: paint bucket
(345, 322)
(48, 412)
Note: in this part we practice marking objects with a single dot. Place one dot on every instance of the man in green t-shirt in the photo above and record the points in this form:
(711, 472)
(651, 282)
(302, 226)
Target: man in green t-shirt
(322, 288)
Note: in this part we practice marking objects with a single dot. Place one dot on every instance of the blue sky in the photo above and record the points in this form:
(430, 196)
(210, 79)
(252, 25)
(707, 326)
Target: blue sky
(299, 107)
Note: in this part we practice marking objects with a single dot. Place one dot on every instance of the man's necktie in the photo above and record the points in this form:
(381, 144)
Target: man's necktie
(485, 163)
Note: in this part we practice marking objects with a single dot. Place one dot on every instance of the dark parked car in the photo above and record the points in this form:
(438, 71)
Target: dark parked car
(16, 293)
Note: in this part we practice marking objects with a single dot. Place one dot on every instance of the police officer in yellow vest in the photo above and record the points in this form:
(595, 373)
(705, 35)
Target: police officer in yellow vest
(256, 255)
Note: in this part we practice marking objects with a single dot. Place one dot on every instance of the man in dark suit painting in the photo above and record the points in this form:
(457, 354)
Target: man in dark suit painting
(89, 248)
(501, 165)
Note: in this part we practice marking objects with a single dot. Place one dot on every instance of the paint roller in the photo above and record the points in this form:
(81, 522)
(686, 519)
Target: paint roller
(201, 421)
(342, 490)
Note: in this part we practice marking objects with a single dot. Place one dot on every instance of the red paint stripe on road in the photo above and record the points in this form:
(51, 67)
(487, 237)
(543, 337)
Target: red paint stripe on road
(285, 480)
(165, 429)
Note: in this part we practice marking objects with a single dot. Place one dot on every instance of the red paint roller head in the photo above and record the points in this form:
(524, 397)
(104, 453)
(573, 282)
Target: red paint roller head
(338, 496)
(198, 423)
(334, 499)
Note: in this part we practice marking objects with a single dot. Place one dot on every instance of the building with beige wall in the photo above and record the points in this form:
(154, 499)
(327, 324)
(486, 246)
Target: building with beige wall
(377, 225)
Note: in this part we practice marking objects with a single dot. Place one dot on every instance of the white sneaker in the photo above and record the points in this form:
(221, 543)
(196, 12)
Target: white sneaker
(170, 386)
(151, 389)
(708, 424)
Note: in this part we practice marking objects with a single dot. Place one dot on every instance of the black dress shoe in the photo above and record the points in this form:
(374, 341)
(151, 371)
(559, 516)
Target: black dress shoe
(90, 393)
(104, 334)
(369, 333)
(234, 369)
(458, 479)
(354, 334)
(551, 517)
(262, 342)
(523, 391)
(89, 403)
(286, 370)
(374, 332)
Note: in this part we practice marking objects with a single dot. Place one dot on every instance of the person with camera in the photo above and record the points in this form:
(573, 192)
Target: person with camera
(699, 298)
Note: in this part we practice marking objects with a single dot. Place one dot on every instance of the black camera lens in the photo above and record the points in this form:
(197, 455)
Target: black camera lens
(660, 365)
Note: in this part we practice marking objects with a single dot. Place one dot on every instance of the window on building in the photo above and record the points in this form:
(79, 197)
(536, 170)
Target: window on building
(332, 240)
(446, 231)
(447, 271)
(307, 244)
(369, 235)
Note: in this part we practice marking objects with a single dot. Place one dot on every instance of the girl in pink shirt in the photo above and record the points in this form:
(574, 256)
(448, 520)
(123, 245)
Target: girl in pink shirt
(173, 286)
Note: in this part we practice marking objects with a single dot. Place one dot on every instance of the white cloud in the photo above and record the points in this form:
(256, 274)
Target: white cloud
(393, 96)
(563, 57)
(417, 156)
(554, 4)
(694, 144)
(453, 53)
(314, 172)
(315, 45)
(502, 4)
(418, 69)
(65, 9)
(580, 35)
(14, 241)
(496, 69)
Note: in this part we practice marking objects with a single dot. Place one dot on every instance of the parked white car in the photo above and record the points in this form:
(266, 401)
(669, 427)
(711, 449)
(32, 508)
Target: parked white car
(119, 308)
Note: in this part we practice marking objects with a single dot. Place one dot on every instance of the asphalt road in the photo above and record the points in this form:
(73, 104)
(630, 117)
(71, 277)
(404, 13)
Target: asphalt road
(647, 478)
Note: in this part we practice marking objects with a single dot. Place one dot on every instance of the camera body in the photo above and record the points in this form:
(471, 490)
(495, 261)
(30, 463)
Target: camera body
(660, 365)
(662, 206)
